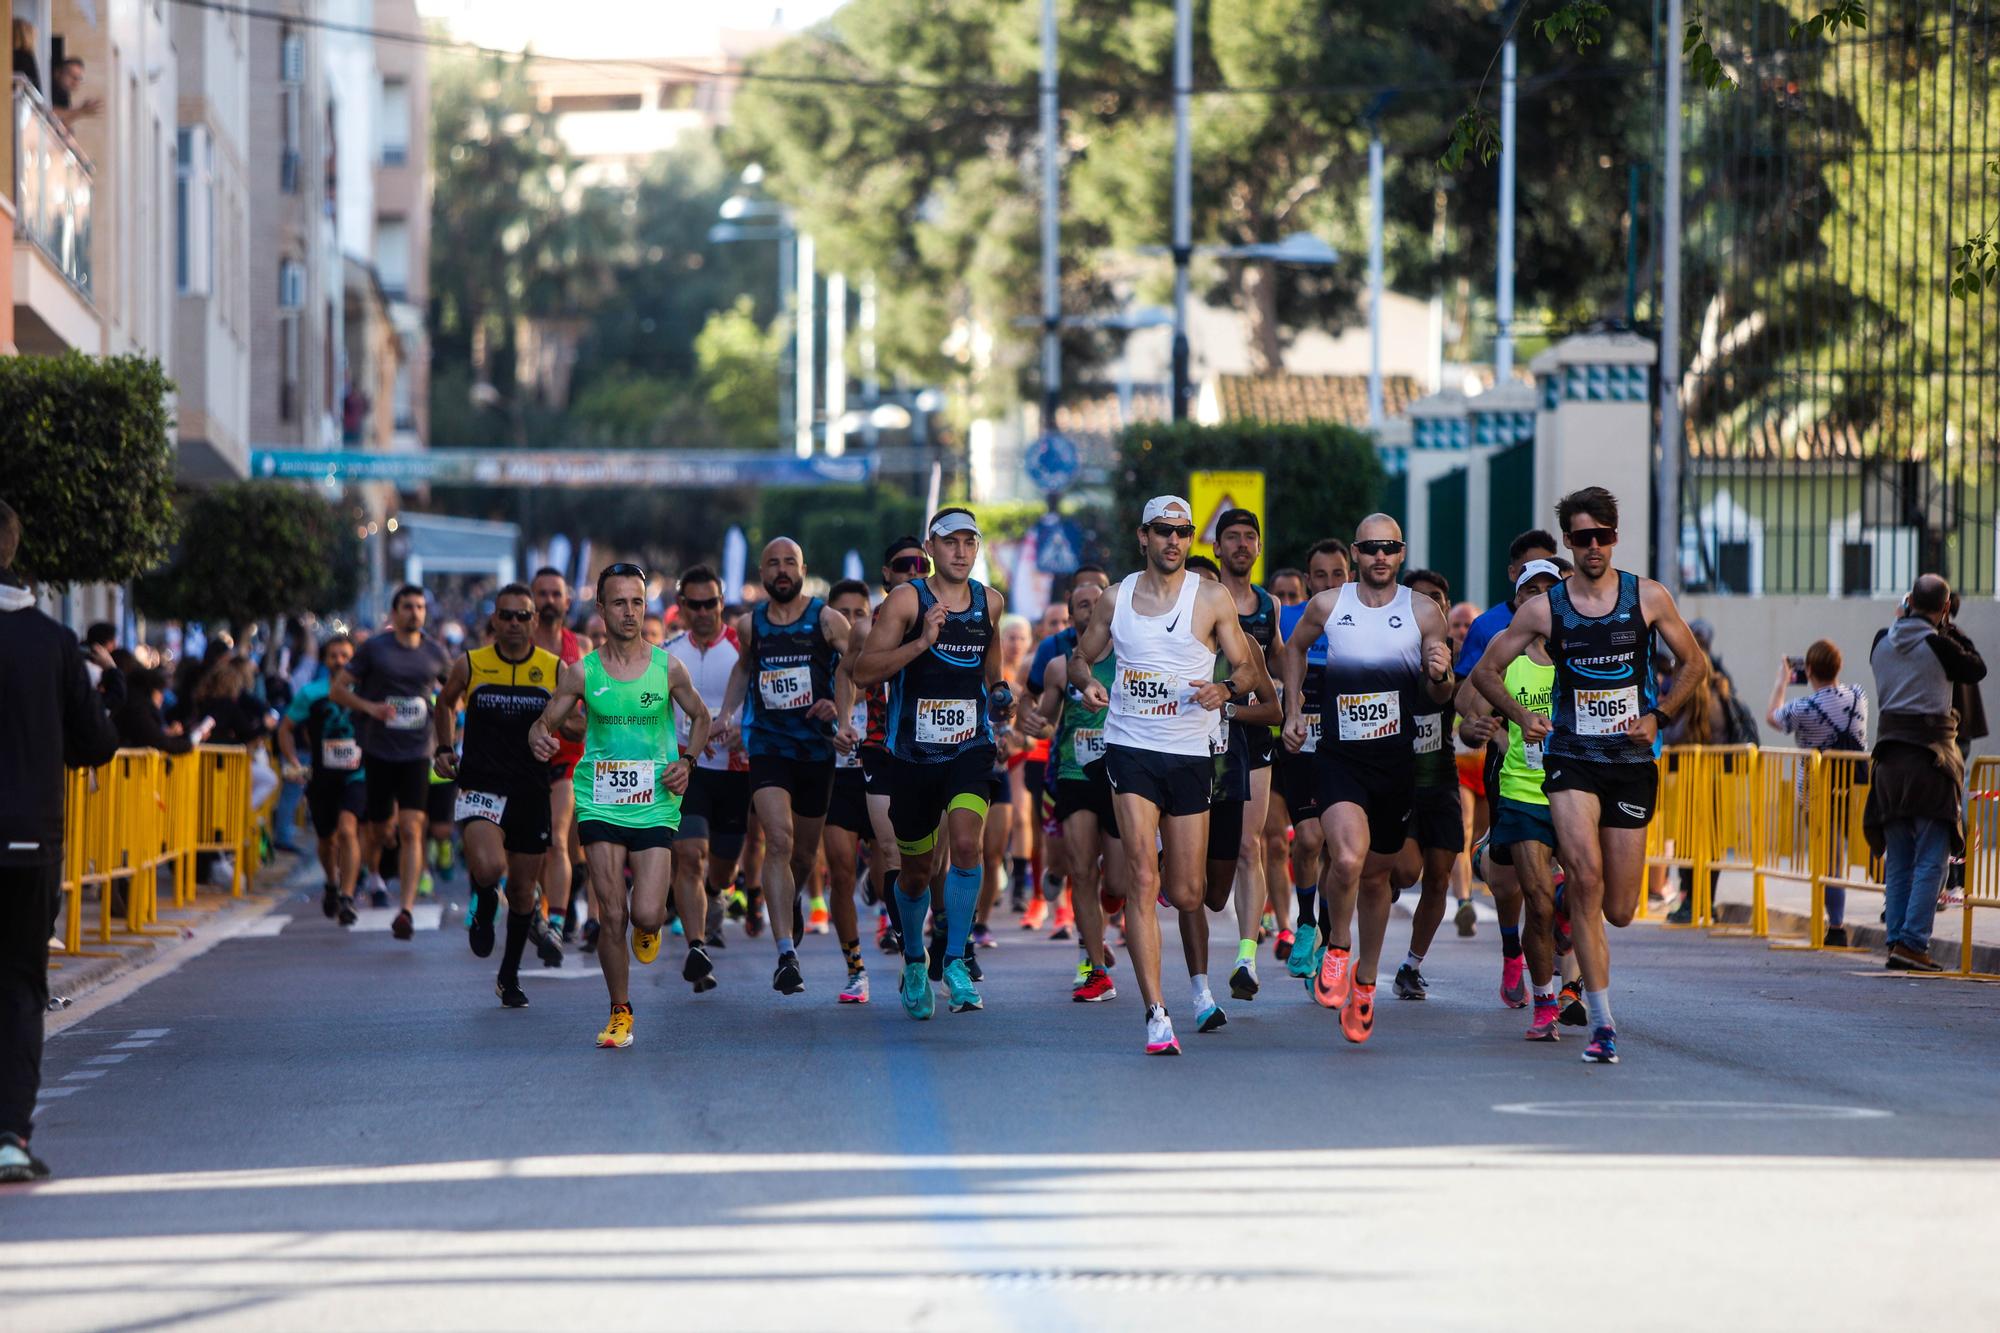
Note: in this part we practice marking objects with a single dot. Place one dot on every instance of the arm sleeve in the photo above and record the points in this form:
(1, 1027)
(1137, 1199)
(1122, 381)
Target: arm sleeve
(1962, 662)
(89, 736)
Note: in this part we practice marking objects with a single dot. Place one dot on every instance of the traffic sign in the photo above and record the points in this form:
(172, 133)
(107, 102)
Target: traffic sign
(1051, 462)
(1058, 545)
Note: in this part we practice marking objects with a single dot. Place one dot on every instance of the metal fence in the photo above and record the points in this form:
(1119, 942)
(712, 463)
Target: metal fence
(1842, 429)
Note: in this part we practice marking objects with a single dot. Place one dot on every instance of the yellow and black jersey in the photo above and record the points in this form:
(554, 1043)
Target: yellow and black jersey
(502, 700)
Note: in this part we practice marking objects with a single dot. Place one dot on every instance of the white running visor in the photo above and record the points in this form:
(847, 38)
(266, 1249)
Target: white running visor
(1534, 567)
(955, 521)
(1161, 506)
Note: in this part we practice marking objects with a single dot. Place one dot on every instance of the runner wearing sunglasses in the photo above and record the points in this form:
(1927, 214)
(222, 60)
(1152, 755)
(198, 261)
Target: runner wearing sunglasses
(1239, 542)
(1602, 740)
(502, 805)
(1387, 665)
(1165, 727)
(716, 814)
(935, 643)
(628, 784)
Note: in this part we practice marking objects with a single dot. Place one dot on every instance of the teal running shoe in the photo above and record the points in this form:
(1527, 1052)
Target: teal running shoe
(958, 980)
(918, 1002)
(1318, 957)
(1303, 960)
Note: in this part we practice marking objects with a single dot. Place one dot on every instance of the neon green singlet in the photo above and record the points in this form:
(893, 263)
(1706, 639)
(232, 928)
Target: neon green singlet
(628, 739)
(1080, 738)
(1531, 684)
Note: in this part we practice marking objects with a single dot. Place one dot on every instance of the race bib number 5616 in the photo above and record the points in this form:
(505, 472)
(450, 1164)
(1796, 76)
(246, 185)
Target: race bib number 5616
(1605, 712)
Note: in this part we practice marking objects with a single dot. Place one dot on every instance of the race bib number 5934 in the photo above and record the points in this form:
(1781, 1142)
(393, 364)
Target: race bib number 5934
(1146, 693)
(1605, 712)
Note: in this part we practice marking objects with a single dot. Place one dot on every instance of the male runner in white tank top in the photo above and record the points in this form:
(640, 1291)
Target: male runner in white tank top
(1383, 648)
(1164, 727)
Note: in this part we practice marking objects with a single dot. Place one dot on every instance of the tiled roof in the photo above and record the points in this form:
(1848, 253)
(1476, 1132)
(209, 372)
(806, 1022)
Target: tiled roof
(1093, 411)
(1302, 398)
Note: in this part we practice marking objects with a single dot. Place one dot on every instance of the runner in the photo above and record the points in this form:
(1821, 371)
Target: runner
(902, 562)
(847, 823)
(1239, 542)
(562, 868)
(1520, 849)
(1328, 566)
(935, 642)
(388, 684)
(715, 814)
(336, 795)
(1386, 652)
(1437, 822)
(1054, 649)
(1165, 627)
(1602, 739)
(502, 807)
(628, 784)
(792, 643)
(1289, 587)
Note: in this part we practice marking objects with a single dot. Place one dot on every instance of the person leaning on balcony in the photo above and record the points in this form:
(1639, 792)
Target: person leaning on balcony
(1915, 812)
(1830, 716)
(63, 90)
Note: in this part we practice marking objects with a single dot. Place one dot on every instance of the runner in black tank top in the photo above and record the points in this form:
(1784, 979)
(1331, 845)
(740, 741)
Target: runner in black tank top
(1437, 821)
(1598, 770)
(1238, 547)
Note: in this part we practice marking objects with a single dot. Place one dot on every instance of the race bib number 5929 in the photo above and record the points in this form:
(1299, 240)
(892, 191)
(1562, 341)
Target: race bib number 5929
(1605, 712)
(1370, 717)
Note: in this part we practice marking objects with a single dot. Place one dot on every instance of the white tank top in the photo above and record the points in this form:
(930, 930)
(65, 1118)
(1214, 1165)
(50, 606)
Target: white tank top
(1152, 700)
(709, 670)
(1374, 665)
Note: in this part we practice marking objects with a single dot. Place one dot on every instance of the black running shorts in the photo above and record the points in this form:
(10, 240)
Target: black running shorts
(1225, 830)
(716, 807)
(395, 784)
(810, 781)
(1387, 797)
(631, 839)
(331, 795)
(1090, 794)
(1296, 777)
(440, 801)
(1626, 793)
(1179, 784)
(849, 807)
(919, 794)
(524, 819)
(1436, 821)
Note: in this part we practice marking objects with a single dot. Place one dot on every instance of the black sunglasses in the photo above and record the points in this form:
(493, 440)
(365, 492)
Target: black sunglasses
(1378, 547)
(909, 564)
(701, 604)
(623, 569)
(1592, 537)
(1165, 530)
(518, 617)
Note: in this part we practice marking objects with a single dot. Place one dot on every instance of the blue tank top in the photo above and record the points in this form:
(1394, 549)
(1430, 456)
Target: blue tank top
(792, 669)
(1604, 678)
(937, 703)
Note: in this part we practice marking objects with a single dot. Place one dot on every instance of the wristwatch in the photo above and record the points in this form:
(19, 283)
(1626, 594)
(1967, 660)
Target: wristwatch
(1229, 712)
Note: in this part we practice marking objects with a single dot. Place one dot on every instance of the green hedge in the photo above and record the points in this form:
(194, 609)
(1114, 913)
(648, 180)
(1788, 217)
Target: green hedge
(88, 466)
(254, 550)
(829, 521)
(1319, 480)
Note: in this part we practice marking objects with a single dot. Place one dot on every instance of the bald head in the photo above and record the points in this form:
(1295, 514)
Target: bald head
(782, 569)
(1378, 527)
(1930, 596)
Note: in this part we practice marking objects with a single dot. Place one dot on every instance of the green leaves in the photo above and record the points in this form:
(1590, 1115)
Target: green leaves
(1577, 20)
(1975, 262)
(90, 466)
(1703, 66)
(1474, 134)
(1831, 19)
(253, 550)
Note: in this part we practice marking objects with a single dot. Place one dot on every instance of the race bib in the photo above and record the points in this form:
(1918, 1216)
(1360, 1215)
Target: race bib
(1087, 744)
(1605, 712)
(1531, 755)
(1146, 693)
(947, 721)
(623, 781)
(785, 688)
(1370, 717)
(342, 756)
(1430, 733)
(410, 714)
(1311, 745)
(478, 805)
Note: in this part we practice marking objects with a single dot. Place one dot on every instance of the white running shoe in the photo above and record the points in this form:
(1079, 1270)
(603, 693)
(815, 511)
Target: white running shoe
(1160, 1038)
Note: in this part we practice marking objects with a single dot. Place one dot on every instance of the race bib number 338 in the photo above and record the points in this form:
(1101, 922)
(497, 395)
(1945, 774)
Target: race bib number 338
(1605, 712)
(623, 781)
(946, 721)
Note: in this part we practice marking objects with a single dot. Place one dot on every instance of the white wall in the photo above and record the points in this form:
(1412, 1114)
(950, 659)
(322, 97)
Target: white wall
(354, 84)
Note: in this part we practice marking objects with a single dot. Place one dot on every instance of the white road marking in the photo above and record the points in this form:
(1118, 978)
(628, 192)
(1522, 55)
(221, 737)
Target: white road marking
(265, 928)
(560, 973)
(60, 1092)
(1693, 1110)
(107, 1059)
(134, 1045)
(83, 1074)
(424, 916)
(152, 1032)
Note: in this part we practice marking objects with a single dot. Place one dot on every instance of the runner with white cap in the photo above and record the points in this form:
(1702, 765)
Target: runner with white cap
(1165, 727)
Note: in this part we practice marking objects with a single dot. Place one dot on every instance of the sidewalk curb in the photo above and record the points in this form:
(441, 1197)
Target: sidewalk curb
(1872, 937)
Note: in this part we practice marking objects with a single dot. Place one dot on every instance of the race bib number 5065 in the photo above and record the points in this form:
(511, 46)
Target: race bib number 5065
(1605, 712)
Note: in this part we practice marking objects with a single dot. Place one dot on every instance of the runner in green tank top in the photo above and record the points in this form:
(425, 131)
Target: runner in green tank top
(629, 785)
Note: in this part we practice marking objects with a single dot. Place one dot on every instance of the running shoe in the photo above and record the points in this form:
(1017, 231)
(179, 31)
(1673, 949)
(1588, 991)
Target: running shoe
(1305, 944)
(425, 888)
(444, 861)
(590, 935)
(1037, 912)
(1565, 940)
(893, 941)
(329, 900)
(1544, 1028)
(676, 929)
(617, 1034)
(645, 944)
(1357, 1019)
(404, 928)
(698, 970)
(1267, 925)
(1064, 920)
(917, 998)
(1160, 1034)
(788, 980)
(971, 960)
(547, 947)
(1410, 984)
(348, 916)
(1093, 986)
(821, 921)
(1514, 981)
(1283, 948)
(378, 895)
(1575, 1013)
(881, 931)
(983, 937)
(1243, 981)
(1209, 1017)
(736, 904)
(753, 917)
(510, 993)
(479, 914)
(1603, 1048)
(1333, 979)
(715, 941)
(936, 955)
(958, 982)
(856, 989)
(18, 1166)
(1467, 920)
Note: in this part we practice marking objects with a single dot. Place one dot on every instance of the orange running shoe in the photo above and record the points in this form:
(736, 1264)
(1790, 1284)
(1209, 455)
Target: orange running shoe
(1330, 987)
(1064, 919)
(1037, 913)
(1357, 1020)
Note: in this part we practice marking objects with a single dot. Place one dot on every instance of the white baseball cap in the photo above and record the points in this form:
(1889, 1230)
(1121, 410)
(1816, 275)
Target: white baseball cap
(954, 520)
(1161, 505)
(1535, 567)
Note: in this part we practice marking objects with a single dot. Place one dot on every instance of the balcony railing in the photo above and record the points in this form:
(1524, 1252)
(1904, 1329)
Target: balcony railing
(52, 180)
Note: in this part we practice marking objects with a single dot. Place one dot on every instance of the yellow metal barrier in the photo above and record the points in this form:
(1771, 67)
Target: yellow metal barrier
(1840, 795)
(1982, 855)
(1786, 779)
(1727, 806)
(1674, 838)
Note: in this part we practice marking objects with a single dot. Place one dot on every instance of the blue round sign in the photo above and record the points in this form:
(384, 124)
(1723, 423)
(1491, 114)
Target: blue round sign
(1051, 462)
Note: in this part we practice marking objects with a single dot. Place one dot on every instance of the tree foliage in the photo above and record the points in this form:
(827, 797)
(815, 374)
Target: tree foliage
(89, 465)
(254, 550)
(829, 521)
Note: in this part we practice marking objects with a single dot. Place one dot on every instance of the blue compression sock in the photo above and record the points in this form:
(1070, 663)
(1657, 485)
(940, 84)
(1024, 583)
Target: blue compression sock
(961, 896)
(910, 914)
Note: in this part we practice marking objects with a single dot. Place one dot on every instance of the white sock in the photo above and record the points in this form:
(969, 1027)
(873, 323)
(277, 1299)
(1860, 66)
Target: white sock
(1413, 961)
(1199, 983)
(784, 943)
(1545, 993)
(1599, 1004)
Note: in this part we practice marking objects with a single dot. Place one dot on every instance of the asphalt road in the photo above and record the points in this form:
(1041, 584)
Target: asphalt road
(308, 1128)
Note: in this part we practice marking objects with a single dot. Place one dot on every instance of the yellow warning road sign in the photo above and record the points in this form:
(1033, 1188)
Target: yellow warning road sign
(1214, 494)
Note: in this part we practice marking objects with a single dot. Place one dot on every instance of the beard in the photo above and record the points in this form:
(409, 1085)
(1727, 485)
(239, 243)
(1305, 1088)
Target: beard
(782, 592)
(548, 613)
